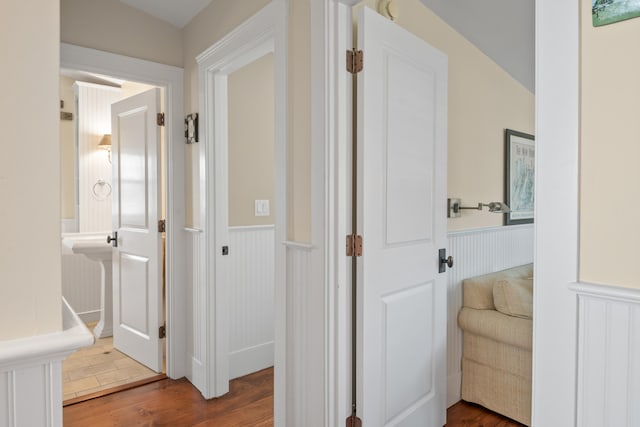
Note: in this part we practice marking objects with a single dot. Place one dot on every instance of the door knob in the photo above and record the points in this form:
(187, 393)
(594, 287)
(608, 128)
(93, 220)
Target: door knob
(445, 261)
(113, 240)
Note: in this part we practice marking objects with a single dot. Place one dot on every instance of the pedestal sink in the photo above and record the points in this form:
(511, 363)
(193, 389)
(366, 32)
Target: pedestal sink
(96, 248)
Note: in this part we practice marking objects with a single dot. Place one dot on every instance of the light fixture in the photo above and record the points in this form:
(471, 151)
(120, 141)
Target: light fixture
(105, 144)
(454, 206)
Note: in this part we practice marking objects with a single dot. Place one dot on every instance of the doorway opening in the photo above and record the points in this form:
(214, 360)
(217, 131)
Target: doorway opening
(87, 189)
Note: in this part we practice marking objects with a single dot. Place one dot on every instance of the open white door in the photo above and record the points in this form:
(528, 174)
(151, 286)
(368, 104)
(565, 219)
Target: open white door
(137, 276)
(401, 202)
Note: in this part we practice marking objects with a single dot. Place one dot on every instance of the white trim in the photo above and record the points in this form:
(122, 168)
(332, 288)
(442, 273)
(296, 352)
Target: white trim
(556, 230)
(267, 28)
(240, 228)
(331, 139)
(170, 78)
(299, 246)
(609, 292)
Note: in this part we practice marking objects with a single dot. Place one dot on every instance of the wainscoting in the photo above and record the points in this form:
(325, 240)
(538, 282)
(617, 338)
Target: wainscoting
(609, 355)
(81, 286)
(196, 339)
(93, 115)
(251, 299)
(477, 252)
(31, 374)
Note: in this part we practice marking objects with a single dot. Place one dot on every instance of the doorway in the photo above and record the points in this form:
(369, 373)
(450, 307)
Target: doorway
(170, 80)
(89, 192)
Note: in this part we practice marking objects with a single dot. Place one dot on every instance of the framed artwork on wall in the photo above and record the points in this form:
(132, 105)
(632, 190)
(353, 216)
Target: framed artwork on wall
(520, 155)
(605, 12)
(191, 128)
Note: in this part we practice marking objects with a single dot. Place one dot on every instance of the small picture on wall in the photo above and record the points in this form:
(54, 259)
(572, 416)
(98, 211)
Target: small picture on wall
(520, 156)
(191, 128)
(605, 12)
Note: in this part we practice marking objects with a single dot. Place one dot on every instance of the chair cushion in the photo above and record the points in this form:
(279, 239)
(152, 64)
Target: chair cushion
(514, 297)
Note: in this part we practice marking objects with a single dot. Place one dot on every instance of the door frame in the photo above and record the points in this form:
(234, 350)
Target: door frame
(557, 183)
(264, 32)
(171, 79)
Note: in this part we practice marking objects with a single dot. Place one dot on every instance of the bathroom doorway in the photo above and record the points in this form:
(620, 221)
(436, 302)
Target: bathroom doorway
(87, 189)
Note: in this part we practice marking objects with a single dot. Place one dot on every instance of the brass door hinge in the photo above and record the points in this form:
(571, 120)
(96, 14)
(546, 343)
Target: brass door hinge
(162, 331)
(354, 245)
(162, 226)
(160, 119)
(354, 61)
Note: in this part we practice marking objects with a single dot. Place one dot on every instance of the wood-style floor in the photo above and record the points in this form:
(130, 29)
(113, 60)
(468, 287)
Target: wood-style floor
(249, 403)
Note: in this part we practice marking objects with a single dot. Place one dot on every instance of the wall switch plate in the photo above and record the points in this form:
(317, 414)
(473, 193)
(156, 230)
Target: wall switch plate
(261, 208)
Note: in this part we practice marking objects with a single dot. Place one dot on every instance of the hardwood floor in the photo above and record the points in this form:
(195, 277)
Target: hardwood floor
(177, 403)
(464, 414)
(249, 403)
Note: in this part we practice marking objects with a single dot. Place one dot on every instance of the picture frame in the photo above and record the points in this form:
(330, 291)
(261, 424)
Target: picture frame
(519, 185)
(606, 12)
(191, 128)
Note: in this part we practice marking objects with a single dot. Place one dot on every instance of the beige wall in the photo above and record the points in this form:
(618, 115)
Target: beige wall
(251, 141)
(67, 151)
(483, 101)
(30, 288)
(610, 149)
(112, 26)
(209, 26)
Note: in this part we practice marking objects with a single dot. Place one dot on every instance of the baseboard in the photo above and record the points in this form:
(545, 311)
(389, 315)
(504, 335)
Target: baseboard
(89, 316)
(249, 360)
(454, 388)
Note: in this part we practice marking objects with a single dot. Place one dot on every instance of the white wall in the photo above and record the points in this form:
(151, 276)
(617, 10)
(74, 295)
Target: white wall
(94, 167)
(30, 169)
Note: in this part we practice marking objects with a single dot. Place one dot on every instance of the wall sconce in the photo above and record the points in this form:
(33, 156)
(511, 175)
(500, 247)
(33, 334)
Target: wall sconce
(105, 144)
(454, 206)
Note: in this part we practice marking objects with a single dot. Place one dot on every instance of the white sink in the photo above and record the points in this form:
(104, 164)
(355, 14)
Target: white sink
(95, 247)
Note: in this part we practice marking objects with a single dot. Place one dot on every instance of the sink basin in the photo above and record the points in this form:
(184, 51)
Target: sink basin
(95, 247)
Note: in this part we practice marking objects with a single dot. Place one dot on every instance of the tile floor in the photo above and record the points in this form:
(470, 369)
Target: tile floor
(99, 367)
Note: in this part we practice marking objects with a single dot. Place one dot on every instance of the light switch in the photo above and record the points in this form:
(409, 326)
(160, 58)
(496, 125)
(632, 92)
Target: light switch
(262, 207)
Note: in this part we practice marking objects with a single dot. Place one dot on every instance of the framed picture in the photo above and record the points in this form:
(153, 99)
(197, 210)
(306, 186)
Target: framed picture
(605, 12)
(191, 128)
(520, 155)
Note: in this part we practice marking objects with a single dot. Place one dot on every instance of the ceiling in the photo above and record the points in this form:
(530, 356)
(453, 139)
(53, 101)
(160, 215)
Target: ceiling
(502, 29)
(178, 13)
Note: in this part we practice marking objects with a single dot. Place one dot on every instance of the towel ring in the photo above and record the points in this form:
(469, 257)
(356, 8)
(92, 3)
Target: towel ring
(99, 191)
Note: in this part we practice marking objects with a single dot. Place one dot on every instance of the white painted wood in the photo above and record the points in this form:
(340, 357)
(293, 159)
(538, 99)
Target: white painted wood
(81, 286)
(556, 213)
(31, 374)
(251, 299)
(608, 385)
(477, 252)
(402, 140)
(69, 225)
(93, 121)
(267, 28)
(299, 265)
(196, 341)
(331, 163)
(171, 79)
(137, 206)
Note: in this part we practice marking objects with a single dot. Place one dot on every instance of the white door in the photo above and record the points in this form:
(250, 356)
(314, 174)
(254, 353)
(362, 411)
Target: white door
(137, 276)
(402, 132)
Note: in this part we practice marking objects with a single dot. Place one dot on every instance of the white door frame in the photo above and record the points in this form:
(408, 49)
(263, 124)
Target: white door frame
(556, 243)
(171, 79)
(265, 31)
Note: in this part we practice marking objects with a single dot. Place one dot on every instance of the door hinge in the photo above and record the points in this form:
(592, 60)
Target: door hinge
(353, 421)
(162, 226)
(354, 245)
(160, 119)
(162, 331)
(354, 61)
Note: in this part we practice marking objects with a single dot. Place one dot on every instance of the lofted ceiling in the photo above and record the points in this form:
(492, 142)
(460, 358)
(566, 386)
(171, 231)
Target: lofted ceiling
(502, 29)
(176, 12)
